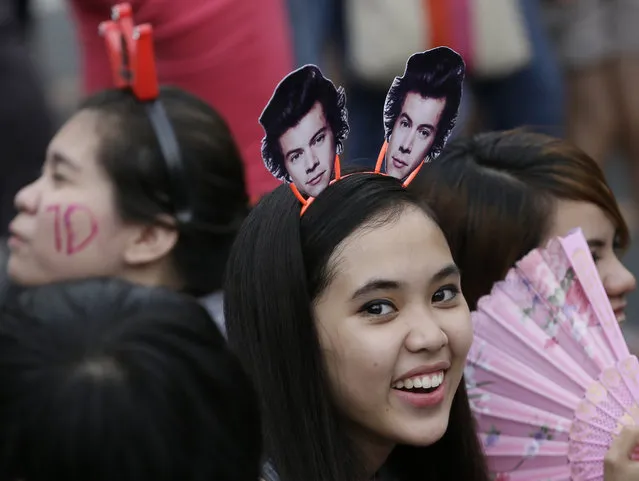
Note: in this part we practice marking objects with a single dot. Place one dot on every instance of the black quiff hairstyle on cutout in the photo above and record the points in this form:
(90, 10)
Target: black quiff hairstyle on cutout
(293, 98)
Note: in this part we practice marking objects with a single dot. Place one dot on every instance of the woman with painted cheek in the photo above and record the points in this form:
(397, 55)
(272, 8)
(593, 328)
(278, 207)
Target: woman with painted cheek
(104, 204)
(351, 322)
(499, 195)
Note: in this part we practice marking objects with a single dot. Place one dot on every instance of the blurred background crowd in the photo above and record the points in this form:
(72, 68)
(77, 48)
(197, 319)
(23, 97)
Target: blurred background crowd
(565, 67)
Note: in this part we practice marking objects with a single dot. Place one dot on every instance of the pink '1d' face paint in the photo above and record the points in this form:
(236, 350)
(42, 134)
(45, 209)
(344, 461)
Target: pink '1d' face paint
(75, 227)
(68, 225)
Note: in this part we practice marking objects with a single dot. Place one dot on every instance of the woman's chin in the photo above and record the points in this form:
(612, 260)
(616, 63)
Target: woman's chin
(423, 432)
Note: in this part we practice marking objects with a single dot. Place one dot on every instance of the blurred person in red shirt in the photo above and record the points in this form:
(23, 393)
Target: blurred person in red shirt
(231, 53)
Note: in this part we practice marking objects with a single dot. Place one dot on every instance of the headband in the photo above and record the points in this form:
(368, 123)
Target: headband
(306, 123)
(132, 59)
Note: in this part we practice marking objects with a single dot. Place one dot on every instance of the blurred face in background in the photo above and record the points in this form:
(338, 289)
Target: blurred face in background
(68, 225)
(600, 233)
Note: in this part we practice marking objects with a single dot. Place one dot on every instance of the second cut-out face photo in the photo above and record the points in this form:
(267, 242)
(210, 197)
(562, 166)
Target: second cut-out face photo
(421, 109)
(305, 123)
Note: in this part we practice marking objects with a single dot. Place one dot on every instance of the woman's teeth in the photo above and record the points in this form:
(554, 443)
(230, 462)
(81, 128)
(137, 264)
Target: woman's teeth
(421, 382)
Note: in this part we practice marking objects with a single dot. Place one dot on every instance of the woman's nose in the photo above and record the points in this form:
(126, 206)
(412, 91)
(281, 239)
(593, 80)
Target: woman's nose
(425, 334)
(618, 280)
(28, 198)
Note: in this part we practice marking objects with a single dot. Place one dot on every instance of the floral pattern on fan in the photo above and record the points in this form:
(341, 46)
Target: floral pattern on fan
(477, 400)
(529, 298)
(568, 300)
(544, 433)
(550, 378)
(562, 295)
(500, 477)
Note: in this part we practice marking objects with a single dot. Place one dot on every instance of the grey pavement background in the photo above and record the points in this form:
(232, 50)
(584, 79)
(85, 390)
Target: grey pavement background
(55, 52)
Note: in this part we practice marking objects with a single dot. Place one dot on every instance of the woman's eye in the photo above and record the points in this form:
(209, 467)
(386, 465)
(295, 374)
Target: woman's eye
(446, 294)
(617, 246)
(595, 257)
(378, 308)
(57, 177)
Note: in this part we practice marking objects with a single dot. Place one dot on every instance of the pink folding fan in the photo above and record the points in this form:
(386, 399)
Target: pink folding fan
(549, 376)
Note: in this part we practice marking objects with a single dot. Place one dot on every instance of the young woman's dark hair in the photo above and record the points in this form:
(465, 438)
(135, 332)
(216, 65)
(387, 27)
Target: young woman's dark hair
(5, 283)
(131, 156)
(279, 268)
(105, 380)
(495, 195)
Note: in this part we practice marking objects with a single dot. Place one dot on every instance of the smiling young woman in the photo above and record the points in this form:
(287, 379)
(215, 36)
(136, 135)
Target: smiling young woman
(351, 323)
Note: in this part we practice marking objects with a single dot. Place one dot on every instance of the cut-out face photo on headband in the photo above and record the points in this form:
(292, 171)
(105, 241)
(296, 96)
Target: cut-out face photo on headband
(305, 123)
(421, 109)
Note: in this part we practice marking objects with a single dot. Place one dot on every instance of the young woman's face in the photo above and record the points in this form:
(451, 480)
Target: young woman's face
(395, 331)
(67, 226)
(600, 234)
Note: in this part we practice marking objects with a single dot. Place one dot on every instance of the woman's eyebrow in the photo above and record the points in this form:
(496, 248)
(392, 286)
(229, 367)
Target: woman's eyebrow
(596, 243)
(376, 285)
(58, 159)
(389, 284)
(448, 271)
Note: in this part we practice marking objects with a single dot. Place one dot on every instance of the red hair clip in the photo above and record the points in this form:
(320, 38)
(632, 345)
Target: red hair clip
(130, 50)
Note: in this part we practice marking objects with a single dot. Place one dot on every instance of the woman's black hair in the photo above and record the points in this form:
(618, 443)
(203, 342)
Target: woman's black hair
(105, 380)
(131, 156)
(277, 268)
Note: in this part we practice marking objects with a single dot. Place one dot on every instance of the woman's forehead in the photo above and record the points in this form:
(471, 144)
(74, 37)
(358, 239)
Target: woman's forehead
(79, 136)
(592, 219)
(406, 247)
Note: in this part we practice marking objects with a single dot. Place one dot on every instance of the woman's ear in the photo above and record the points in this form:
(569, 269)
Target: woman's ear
(150, 243)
